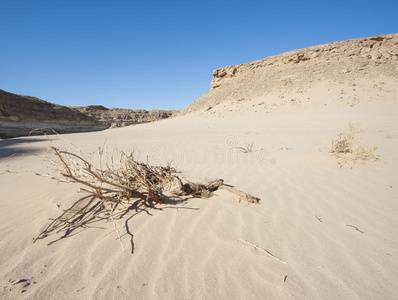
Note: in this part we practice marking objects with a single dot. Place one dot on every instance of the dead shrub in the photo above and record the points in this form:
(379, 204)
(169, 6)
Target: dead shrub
(120, 186)
(349, 145)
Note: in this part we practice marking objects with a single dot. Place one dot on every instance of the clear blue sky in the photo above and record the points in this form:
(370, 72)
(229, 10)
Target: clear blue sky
(161, 54)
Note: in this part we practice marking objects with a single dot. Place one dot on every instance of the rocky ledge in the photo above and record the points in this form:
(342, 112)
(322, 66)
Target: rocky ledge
(293, 79)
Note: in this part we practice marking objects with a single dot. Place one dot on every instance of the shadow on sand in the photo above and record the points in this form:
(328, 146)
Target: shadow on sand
(127, 214)
(19, 146)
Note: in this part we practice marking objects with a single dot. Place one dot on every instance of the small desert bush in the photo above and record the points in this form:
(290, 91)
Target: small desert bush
(247, 149)
(348, 144)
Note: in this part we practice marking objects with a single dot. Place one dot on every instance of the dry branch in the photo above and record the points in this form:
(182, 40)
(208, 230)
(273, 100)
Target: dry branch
(266, 251)
(115, 190)
(356, 228)
(242, 195)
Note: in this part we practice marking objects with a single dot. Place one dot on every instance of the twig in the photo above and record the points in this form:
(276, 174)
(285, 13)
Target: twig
(266, 251)
(53, 177)
(355, 228)
(319, 219)
(42, 130)
(284, 278)
(117, 232)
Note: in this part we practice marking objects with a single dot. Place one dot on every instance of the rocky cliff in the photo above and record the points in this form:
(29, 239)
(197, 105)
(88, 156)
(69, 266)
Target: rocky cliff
(117, 117)
(19, 115)
(367, 64)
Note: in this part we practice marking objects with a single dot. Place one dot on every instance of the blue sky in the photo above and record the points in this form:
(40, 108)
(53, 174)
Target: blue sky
(161, 54)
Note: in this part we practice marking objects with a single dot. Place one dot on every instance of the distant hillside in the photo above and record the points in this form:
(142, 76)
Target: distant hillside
(122, 117)
(26, 108)
(19, 115)
(342, 73)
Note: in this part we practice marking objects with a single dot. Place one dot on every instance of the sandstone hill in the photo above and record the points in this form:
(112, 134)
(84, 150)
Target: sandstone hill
(352, 72)
(116, 117)
(19, 115)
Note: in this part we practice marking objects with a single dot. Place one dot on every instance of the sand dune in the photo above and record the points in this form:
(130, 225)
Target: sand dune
(190, 249)
(332, 221)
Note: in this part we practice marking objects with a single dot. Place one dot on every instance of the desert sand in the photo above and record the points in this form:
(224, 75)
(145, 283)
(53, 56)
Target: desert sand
(190, 250)
(333, 222)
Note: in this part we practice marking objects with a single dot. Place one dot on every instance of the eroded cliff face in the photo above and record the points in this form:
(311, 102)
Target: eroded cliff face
(26, 108)
(20, 115)
(116, 117)
(337, 63)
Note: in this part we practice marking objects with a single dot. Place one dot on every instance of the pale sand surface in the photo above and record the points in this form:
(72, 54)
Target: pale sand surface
(189, 250)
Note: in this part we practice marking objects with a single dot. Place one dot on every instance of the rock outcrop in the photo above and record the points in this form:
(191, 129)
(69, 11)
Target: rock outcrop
(285, 78)
(19, 115)
(116, 117)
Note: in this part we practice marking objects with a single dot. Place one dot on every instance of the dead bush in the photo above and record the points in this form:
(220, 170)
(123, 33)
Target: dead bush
(349, 145)
(120, 186)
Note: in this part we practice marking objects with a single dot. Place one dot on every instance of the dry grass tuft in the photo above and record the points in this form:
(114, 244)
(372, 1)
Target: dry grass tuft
(348, 144)
(247, 149)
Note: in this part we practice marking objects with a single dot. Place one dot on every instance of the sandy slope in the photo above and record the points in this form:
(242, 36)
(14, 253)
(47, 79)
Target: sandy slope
(345, 73)
(189, 249)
